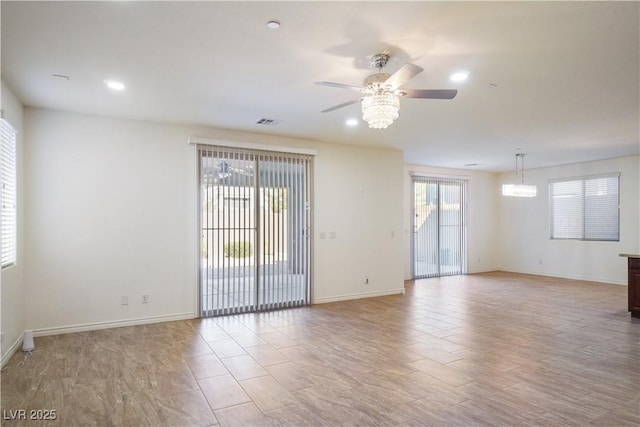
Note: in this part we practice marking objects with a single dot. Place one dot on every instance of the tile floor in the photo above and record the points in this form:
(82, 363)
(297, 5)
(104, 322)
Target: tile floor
(487, 349)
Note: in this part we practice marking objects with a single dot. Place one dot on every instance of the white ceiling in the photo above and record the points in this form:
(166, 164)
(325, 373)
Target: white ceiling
(558, 80)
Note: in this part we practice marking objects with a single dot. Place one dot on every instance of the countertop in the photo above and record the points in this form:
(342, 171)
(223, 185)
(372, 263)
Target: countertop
(630, 255)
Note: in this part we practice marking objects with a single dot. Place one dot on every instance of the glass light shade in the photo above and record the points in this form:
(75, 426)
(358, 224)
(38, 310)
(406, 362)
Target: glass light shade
(380, 109)
(519, 190)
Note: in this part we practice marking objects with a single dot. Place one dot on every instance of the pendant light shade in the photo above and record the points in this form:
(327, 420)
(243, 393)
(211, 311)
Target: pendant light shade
(519, 190)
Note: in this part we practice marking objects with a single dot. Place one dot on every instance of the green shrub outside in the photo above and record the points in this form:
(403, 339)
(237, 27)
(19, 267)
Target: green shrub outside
(238, 250)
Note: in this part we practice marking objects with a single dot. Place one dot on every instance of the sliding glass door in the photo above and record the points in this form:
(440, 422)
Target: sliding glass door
(255, 228)
(439, 227)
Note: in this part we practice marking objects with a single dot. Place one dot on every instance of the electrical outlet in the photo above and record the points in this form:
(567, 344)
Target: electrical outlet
(124, 300)
(145, 299)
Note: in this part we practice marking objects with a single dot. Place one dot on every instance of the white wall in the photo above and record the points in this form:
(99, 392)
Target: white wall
(359, 199)
(482, 215)
(110, 205)
(111, 212)
(524, 227)
(108, 212)
(11, 278)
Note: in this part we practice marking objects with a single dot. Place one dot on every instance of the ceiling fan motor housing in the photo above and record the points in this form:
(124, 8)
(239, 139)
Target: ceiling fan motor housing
(376, 81)
(380, 60)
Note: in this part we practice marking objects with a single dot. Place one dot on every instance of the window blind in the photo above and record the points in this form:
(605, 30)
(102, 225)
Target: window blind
(8, 192)
(585, 208)
(439, 227)
(255, 217)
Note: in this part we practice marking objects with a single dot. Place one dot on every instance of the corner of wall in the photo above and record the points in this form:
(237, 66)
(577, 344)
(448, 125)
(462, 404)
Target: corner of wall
(12, 278)
(482, 226)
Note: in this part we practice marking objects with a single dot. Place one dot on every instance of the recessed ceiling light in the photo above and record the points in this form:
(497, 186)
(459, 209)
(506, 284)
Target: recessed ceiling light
(273, 24)
(352, 122)
(114, 85)
(459, 76)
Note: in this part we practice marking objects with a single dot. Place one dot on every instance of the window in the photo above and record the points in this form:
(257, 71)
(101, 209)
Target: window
(8, 192)
(585, 208)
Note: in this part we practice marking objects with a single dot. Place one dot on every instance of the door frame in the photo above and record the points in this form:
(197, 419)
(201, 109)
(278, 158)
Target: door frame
(258, 153)
(463, 222)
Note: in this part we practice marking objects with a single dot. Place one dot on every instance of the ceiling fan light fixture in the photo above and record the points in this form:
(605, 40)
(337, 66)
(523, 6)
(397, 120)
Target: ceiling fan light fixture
(380, 109)
(381, 103)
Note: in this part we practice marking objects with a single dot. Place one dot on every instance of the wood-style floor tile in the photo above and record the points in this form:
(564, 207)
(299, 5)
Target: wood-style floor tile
(290, 376)
(278, 339)
(442, 372)
(266, 355)
(189, 408)
(485, 350)
(246, 414)
(267, 393)
(328, 408)
(294, 416)
(226, 348)
(247, 339)
(223, 391)
(206, 366)
(176, 381)
(244, 367)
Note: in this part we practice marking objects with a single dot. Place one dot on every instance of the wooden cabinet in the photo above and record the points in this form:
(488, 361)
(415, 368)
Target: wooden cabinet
(634, 286)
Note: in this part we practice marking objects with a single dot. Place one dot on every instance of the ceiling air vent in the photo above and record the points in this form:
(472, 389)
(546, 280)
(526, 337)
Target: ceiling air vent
(268, 122)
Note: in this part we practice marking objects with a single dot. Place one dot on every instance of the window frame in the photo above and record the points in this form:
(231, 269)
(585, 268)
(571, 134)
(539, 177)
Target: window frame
(582, 182)
(8, 193)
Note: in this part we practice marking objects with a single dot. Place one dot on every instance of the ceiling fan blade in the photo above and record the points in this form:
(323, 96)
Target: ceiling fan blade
(403, 75)
(428, 93)
(341, 86)
(344, 104)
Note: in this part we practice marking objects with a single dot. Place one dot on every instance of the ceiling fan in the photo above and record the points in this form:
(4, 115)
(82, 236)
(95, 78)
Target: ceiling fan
(381, 100)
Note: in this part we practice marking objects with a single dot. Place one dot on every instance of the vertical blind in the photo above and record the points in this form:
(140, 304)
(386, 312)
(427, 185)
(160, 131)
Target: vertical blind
(255, 222)
(585, 208)
(8, 192)
(439, 221)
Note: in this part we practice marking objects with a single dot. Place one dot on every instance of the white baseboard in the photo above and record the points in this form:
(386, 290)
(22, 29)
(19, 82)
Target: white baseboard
(324, 300)
(566, 276)
(482, 270)
(470, 271)
(16, 345)
(43, 332)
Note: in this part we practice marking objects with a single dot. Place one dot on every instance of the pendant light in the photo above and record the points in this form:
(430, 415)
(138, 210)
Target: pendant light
(519, 190)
